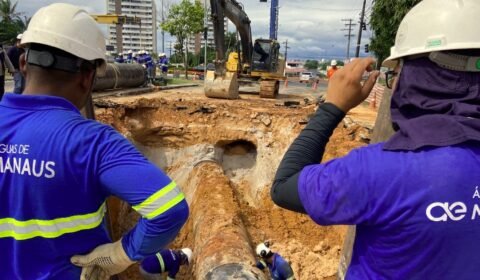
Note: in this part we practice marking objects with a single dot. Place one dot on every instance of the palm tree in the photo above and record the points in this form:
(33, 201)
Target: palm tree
(11, 22)
(7, 11)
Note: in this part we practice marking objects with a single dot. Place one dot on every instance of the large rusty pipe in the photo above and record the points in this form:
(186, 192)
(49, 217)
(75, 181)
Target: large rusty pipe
(121, 76)
(221, 244)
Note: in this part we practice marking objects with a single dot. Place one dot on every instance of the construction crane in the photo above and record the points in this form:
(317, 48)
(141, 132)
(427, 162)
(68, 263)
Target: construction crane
(273, 19)
(118, 20)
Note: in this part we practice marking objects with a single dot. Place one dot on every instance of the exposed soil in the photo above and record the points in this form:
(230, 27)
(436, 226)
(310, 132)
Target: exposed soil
(247, 137)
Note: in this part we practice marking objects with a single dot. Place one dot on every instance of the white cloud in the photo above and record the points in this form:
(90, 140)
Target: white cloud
(312, 27)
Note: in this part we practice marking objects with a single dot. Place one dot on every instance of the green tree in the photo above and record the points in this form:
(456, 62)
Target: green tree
(211, 54)
(231, 41)
(11, 22)
(311, 64)
(183, 21)
(385, 19)
(8, 11)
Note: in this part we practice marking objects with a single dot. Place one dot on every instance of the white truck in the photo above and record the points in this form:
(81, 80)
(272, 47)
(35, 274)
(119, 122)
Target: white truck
(306, 77)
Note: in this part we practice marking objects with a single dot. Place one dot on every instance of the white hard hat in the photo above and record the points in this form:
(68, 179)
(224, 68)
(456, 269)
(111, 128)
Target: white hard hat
(161, 54)
(68, 28)
(146, 52)
(333, 63)
(130, 51)
(19, 36)
(134, 54)
(120, 54)
(188, 252)
(262, 250)
(437, 25)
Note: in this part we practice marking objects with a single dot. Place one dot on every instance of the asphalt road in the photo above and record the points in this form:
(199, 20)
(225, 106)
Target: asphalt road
(8, 85)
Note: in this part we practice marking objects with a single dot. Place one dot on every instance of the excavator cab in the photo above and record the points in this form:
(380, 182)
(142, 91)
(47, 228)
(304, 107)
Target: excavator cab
(265, 55)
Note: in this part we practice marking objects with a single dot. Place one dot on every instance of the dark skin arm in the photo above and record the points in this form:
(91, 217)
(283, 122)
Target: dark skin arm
(345, 92)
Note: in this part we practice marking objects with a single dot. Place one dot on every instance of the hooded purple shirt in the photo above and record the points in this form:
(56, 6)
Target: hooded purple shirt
(415, 199)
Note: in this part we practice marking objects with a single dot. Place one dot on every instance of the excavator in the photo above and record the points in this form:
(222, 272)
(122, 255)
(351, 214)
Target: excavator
(256, 62)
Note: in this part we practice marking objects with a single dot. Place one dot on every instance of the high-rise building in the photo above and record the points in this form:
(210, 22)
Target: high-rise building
(136, 37)
(198, 42)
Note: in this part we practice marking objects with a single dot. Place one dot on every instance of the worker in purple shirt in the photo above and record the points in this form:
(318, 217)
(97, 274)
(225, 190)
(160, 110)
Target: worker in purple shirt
(166, 260)
(279, 268)
(414, 199)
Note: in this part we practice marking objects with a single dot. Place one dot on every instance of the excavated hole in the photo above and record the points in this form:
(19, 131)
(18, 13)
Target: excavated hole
(248, 145)
(238, 158)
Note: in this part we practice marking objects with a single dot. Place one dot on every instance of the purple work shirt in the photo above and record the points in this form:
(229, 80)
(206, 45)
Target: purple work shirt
(417, 212)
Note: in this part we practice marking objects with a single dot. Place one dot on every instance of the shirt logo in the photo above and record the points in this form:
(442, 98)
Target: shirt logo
(456, 211)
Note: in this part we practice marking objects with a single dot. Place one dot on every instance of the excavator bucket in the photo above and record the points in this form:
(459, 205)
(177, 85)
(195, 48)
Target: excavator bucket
(225, 87)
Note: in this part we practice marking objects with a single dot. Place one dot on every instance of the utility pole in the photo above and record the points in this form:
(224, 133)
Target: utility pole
(349, 35)
(362, 26)
(119, 27)
(205, 37)
(163, 31)
(286, 50)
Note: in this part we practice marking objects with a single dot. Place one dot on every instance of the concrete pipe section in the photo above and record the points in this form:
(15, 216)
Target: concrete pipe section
(121, 76)
(221, 245)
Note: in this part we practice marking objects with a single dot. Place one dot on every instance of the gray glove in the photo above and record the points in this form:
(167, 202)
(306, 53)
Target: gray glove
(104, 261)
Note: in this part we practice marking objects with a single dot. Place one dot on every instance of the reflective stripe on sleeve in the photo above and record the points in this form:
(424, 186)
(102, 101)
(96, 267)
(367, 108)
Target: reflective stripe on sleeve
(21, 230)
(160, 202)
(162, 263)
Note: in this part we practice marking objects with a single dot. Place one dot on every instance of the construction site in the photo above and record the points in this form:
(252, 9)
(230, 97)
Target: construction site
(220, 135)
(224, 154)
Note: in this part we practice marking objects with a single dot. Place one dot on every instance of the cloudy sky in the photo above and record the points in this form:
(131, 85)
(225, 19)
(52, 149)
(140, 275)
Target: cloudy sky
(313, 28)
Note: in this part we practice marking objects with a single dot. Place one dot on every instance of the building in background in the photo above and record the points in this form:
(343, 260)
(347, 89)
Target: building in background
(197, 43)
(136, 37)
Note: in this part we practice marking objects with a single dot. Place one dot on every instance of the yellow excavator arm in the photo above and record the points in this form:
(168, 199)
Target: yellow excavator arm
(116, 19)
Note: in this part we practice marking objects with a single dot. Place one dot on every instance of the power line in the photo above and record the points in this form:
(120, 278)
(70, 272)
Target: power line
(349, 35)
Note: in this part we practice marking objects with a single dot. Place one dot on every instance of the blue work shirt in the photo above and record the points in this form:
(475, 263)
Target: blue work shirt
(148, 61)
(279, 269)
(56, 171)
(165, 260)
(417, 212)
(119, 59)
(163, 63)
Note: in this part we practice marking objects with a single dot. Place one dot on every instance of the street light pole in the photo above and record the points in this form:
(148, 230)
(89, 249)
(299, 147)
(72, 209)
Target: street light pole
(205, 36)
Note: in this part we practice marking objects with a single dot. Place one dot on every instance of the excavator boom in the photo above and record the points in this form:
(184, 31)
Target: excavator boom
(255, 62)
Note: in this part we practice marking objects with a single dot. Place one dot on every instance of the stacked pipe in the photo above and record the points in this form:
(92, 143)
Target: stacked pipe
(121, 76)
(221, 244)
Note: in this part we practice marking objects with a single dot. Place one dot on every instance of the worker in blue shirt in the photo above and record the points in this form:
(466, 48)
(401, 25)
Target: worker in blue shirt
(119, 58)
(14, 54)
(163, 64)
(58, 168)
(279, 268)
(415, 198)
(150, 66)
(129, 58)
(166, 260)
